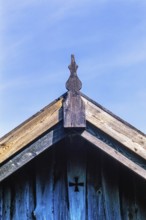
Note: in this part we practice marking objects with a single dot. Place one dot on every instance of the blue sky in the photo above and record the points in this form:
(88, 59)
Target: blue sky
(108, 38)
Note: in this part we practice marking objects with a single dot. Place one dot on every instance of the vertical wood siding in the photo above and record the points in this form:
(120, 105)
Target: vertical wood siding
(1, 202)
(60, 184)
(95, 208)
(110, 190)
(44, 189)
(76, 171)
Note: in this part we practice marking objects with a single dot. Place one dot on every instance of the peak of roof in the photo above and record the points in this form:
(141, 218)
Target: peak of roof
(73, 113)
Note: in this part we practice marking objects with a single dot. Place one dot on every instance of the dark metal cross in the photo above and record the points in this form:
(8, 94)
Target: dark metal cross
(76, 184)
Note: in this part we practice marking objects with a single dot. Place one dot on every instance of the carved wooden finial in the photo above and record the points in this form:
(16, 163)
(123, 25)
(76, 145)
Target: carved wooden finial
(73, 107)
(73, 83)
(73, 67)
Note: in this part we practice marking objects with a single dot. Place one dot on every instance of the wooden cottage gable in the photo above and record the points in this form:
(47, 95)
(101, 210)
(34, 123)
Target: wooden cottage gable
(73, 160)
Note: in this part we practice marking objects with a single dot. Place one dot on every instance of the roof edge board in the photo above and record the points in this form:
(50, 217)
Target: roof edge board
(30, 130)
(116, 145)
(32, 117)
(16, 162)
(111, 113)
(114, 154)
(127, 136)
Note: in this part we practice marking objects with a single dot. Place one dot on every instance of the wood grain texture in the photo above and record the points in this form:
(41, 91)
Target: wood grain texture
(44, 188)
(53, 136)
(18, 197)
(76, 168)
(22, 198)
(1, 201)
(110, 186)
(21, 204)
(126, 135)
(95, 207)
(60, 198)
(116, 145)
(7, 197)
(41, 189)
(30, 130)
(114, 153)
(74, 111)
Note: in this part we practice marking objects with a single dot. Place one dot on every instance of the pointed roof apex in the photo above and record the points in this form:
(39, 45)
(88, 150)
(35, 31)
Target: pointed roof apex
(73, 83)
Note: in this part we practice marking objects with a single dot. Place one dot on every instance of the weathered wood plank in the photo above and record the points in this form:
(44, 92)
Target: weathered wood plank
(127, 195)
(95, 207)
(1, 201)
(140, 198)
(23, 202)
(30, 130)
(74, 111)
(115, 154)
(60, 198)
(53, 136)
(110, 190)
(126, 135)
(76, 175)
(116, 146)
(6, 210)
(44, 187)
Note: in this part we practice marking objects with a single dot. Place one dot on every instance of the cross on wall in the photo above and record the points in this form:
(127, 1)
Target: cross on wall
(76, 184)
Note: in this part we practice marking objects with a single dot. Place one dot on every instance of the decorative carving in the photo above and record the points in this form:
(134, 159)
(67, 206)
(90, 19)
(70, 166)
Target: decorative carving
(73, 106)
(73, 83)
(76, 184)
(73, 67)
